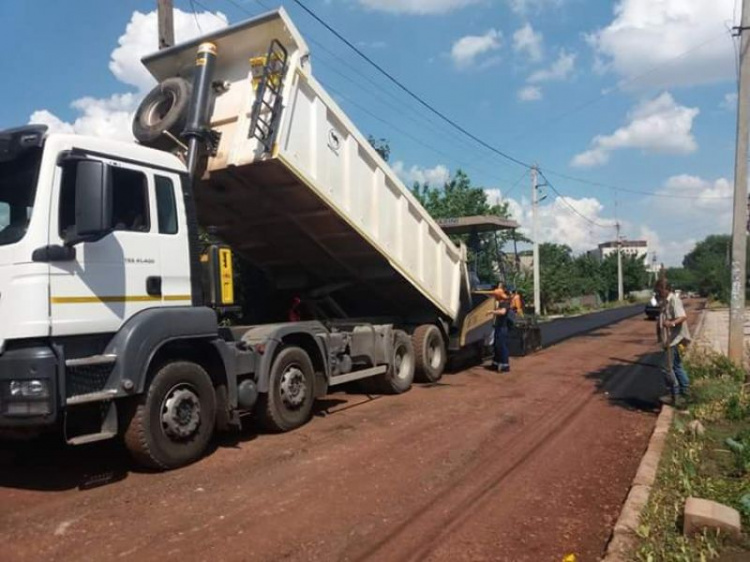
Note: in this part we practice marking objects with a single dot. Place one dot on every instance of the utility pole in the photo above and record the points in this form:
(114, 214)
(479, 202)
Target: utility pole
(620, 287)
(165, 13)
(739, 223)
(535, 236)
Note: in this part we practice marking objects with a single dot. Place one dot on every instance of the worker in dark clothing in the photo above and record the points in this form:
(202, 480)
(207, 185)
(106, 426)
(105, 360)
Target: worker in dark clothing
(502, 315)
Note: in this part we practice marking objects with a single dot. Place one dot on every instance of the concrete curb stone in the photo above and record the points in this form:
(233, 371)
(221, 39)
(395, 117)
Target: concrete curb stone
(624, 537)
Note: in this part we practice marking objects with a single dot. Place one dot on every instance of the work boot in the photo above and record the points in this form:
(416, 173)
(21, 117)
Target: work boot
(668, 399)
(680, 402)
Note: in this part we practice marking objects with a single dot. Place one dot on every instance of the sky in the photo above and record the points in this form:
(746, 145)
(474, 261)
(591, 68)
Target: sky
(628, 107)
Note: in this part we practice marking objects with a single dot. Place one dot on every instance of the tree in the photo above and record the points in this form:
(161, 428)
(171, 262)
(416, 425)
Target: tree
(587, 276)
(708, 263)
(459, 198)
(556, 272)
(682, 278)
(381, 146)
(634, 274)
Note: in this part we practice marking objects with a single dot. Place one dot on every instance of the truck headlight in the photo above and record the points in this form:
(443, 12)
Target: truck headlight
(29, 389)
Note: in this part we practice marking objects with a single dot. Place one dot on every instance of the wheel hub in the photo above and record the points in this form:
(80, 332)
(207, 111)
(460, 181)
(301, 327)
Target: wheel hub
(181, 413)
(293, 388)
(434, 355)
(401, 363)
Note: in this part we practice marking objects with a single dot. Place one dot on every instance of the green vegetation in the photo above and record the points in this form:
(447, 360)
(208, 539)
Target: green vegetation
(564, 276)
(705, 269)
(715, 466)
(459, 198)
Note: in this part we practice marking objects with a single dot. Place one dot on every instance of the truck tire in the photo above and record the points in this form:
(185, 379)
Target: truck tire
(430, 354)
(164, 109)
(173, 422)
(291, 392)
(400, 375)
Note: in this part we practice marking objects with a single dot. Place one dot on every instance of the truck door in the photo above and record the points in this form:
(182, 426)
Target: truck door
(171, 230)
(111, 279)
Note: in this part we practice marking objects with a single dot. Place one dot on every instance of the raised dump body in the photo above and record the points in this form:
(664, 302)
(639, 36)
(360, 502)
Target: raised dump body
(296, 189)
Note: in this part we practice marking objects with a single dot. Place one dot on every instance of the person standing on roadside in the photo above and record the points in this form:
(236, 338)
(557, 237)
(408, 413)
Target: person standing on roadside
(673, 334)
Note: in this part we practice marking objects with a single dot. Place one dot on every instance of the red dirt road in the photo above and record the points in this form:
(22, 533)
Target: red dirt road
(532, 466)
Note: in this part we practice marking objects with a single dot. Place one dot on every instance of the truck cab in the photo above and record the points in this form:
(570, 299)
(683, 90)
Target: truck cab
(93, 234)
(107, 326)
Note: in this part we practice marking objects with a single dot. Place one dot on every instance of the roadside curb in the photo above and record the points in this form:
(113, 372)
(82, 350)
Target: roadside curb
(624, 536)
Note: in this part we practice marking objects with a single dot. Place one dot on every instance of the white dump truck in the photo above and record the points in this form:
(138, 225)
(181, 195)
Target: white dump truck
(109, 300)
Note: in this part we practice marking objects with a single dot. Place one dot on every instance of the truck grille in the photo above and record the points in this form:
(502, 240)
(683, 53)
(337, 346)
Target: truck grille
(85, 379)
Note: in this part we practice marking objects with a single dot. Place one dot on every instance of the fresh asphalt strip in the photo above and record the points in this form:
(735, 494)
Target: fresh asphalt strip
(561, 329)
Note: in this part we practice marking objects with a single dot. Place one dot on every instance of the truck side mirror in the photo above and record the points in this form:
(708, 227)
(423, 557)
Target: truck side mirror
(93, 201)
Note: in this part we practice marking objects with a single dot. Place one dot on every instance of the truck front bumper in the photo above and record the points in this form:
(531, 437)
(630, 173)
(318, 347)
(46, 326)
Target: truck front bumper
(28, 388)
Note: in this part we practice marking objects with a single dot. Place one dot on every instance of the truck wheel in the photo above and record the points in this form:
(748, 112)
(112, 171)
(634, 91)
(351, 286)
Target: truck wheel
(164, 109)
(291, 392)
(173, 422)
(400, 375)
(430, 354)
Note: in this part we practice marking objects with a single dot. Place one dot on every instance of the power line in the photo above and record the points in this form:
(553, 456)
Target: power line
(461, 128)
(627, 190)
(516, 184)
(571, 207)
(362, 108)
(408, 91)
(455, 125)
(195, 16)
(619, 86)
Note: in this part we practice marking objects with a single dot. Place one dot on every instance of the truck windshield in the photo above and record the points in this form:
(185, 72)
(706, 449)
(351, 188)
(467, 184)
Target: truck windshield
(17, 192)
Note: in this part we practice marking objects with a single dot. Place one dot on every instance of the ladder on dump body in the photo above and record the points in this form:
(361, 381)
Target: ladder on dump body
(266, 113)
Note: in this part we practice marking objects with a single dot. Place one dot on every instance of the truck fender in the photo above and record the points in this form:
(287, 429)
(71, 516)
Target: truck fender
(142, 335)
(274, 337)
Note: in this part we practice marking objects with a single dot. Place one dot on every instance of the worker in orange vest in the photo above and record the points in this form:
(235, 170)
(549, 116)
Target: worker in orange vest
(516, 303)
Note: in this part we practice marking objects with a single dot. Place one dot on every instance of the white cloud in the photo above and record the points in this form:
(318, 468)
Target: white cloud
(523, 7)
(467, 50)
(709, 196)
(561, 69)
(729, 103)
(668, 252)
(679, 223)
(529, 42)
(139, 40)
(558, 223)
(436, 177)
(54, 123)
(657, 125)
(530, 93)
(417, 7)
(686, 34)
(111, 117)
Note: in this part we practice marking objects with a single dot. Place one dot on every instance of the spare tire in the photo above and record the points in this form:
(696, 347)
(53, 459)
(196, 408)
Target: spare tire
(164, 109)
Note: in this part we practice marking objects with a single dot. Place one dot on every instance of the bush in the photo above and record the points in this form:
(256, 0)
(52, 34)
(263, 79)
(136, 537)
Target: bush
(712, 365)
(738, 407)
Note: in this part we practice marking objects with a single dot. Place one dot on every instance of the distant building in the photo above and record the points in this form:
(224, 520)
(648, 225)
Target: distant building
(526, 261)
(636, 248)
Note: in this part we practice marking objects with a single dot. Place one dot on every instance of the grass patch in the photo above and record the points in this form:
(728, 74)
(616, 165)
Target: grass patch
(715, 466)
